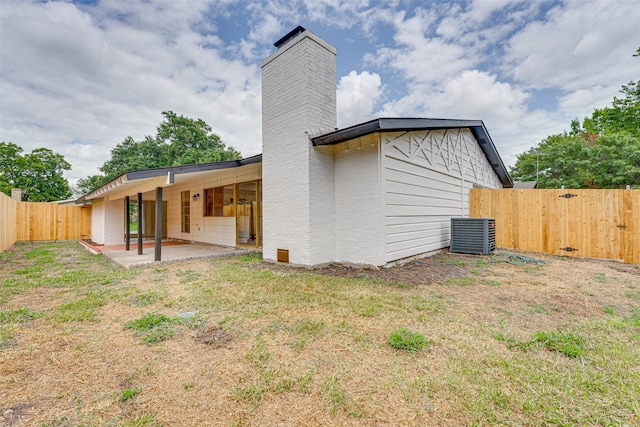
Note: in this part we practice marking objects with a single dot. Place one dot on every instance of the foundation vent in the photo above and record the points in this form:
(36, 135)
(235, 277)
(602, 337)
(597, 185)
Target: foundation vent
(283, 255)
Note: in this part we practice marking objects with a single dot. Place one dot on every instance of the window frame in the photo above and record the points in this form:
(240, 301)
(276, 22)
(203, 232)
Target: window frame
(214, 202)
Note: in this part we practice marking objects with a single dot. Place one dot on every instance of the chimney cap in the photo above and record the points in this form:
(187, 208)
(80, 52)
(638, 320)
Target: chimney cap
(291, 34)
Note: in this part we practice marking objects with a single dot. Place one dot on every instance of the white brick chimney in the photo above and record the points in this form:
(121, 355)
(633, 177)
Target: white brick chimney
(16, 194)
(298, 98)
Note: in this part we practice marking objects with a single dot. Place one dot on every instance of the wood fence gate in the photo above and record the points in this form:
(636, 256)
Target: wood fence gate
(585, 223)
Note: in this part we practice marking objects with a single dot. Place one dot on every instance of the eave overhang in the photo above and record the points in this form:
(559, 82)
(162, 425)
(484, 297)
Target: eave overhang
(476, 127)
(149, 179)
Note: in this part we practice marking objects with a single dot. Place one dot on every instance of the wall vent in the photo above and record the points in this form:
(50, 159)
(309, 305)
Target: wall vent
(473, 235)
(283, 255)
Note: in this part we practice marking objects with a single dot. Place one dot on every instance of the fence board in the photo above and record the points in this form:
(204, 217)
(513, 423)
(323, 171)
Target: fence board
(595, 223)
(8, 230)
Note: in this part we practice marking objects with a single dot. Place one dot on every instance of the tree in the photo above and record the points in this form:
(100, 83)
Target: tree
(87, 185)
(601, 152)
(615, 161)
(622, 116)
(179, 141)
(9, 159)
(38, 174)
(558, 160)
(132, 155)
(192, 141)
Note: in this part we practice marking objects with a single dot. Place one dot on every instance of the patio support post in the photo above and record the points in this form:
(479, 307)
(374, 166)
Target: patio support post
(158, 245)
(127, 215)
(139, 223)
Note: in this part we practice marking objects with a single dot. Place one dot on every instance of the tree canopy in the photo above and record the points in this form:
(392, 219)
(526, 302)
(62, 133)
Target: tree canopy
(179, 140)
(601, 152)
(38, 174)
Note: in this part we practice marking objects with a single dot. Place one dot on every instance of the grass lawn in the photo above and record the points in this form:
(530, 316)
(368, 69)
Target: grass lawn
(235, 342)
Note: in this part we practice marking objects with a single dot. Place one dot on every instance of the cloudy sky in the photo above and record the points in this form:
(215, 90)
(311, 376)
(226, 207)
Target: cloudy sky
(79, 77)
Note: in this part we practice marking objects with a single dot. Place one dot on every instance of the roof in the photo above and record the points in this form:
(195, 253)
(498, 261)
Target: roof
(526, 184)
(159, 177)
(148, 179)
(476, 127)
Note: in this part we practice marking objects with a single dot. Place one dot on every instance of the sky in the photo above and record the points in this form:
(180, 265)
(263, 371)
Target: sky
(79, 77)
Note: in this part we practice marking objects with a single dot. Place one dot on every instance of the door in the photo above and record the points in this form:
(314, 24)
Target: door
(149, 219)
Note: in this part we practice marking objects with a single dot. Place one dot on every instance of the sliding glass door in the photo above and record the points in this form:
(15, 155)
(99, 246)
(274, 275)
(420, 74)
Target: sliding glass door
(249, 213)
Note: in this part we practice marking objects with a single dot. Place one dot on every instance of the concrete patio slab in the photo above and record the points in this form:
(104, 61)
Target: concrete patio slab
(171, 251)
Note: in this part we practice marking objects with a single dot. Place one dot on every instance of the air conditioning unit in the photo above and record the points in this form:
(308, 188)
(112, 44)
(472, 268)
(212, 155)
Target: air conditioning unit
(473, 235)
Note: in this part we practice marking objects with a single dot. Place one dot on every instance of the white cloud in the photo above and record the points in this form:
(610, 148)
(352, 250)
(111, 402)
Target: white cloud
(477, 94)
(80, 81)
(338, 13)
(575, 103)
(579, 44)
(357, 96)
(419, 57)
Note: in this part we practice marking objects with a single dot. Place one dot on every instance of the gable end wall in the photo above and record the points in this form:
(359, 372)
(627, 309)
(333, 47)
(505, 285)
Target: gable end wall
(426, 180)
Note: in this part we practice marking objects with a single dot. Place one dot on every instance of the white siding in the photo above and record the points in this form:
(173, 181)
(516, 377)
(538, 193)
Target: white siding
(427, 177)
(358, 208)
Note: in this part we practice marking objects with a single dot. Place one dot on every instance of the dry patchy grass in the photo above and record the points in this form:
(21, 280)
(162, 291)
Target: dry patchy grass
(250, 344)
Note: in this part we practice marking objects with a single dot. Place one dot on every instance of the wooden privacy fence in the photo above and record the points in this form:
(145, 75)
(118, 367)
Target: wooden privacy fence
(585, 223)
(50, 221)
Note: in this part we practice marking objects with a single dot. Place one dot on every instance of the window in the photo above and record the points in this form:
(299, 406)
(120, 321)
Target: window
(185, 211)
(219, 201)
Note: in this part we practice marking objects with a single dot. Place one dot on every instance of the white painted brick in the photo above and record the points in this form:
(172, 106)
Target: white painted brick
(358, 210)
(114, 222)
(298, 95)
(97, 221)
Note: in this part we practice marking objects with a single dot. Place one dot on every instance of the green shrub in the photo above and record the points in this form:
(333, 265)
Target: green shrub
(404, 339)
(153, 328)
(128, 394)
(566, 343)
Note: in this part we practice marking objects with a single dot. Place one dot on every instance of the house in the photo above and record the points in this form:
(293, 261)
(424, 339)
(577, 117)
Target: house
(526, 185)
(370, 194)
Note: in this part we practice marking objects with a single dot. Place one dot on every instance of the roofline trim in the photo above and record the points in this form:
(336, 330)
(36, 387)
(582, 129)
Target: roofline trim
(476, 127)
(170, 172)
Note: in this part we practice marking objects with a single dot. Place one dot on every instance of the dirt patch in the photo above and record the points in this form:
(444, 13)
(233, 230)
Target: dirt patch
(420, 272)
(13, 415)
(436, 269)
(214, 337)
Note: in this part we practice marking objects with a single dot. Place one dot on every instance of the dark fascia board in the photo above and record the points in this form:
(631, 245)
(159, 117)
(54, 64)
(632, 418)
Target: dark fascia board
(390, 125)
(202, 167)
(476, 127)
(172, 171)
(490, 151)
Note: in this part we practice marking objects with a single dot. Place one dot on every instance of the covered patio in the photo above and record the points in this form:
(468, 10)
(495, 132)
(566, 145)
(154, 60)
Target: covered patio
(213, 205)
(171, 251)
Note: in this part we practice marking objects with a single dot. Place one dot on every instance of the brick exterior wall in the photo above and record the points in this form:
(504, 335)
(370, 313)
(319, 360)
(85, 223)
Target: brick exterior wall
(298, 98)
